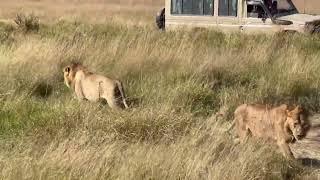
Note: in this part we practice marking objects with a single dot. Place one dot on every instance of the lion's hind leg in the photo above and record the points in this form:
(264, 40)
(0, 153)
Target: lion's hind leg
(243, 134)
(285, 149)
(241, 128)
(112, 102)
(113, 99)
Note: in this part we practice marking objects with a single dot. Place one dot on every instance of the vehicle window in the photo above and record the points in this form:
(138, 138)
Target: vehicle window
(208, 7)
(255, 11)
(280, 7)
(176, 6)
(228, 7)
(196, 7)
(187, 7)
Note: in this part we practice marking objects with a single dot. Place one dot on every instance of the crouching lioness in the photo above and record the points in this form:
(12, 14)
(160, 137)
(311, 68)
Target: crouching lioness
(93, 87)
(278, 123)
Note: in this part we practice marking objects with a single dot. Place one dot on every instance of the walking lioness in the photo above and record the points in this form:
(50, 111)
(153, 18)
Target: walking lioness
(278, 123)
(93, 87)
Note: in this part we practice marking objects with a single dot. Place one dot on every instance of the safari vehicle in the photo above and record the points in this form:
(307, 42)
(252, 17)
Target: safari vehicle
(243, 15)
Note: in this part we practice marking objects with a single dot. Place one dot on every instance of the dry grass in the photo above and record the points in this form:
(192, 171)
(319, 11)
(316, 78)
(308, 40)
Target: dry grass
(131, 12)
(175, 82)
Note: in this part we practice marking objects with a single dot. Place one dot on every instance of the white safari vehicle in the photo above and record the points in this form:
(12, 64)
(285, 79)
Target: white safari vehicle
(242, 15)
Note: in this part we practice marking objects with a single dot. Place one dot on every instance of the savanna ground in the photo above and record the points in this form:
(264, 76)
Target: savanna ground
(175, 83)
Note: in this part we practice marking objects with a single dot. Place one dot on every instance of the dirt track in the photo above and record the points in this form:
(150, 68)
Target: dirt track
(308, 149)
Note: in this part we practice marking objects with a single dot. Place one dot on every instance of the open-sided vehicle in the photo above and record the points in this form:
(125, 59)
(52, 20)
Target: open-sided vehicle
(243, 15)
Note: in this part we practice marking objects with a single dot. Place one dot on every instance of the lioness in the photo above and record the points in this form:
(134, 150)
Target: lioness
(93, 87)
(278, 123)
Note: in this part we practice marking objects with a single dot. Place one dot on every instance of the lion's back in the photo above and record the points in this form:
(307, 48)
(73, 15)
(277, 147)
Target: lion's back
(259, 119)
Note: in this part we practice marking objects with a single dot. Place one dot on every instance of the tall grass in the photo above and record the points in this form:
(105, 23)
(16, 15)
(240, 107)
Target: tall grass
(131, 12)
(175, 82)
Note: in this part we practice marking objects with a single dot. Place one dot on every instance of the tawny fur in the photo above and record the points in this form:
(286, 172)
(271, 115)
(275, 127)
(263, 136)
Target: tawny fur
(278, 124)
(93, 87)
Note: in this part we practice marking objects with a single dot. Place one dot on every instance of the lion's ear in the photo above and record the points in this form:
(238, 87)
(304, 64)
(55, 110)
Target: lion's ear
(300, 108)
(289, 113)
(67, 69)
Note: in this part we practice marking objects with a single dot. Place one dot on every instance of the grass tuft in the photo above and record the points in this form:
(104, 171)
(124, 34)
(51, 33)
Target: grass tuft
(27, 22)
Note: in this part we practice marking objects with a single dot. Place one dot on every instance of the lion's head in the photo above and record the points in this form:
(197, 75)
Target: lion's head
(294, 123)
(68, 78)
(66, 72)
(69, 73)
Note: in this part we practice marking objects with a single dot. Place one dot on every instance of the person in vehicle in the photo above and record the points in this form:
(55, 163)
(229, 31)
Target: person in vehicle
(274, 8)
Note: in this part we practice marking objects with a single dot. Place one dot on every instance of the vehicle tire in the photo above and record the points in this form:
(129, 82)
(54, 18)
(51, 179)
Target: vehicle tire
(316, 29)
(282, 22)
(160, 19)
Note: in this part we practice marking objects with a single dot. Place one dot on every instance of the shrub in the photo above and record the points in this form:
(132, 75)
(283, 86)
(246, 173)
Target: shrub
(27, 22)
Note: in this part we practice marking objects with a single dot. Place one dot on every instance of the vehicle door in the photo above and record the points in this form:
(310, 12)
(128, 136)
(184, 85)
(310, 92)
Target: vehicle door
(257, 18)
(228, 15)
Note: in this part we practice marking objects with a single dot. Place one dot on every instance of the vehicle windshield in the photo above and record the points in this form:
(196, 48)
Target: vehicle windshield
(280, 7)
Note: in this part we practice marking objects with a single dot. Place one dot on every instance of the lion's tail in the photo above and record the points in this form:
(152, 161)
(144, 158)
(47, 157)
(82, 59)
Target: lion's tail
(119, 84)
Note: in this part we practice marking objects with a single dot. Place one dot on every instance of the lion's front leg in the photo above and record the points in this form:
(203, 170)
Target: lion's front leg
(78, 90)
(285, 149)
(282, 139)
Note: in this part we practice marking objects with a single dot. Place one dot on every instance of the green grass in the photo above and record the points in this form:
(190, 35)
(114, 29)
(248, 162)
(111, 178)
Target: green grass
(175, 82)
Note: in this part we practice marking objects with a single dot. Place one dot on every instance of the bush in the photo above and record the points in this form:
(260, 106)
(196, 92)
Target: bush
(27, 22)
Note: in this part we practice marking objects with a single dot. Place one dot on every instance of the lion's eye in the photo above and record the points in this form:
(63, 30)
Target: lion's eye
(296, 124)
